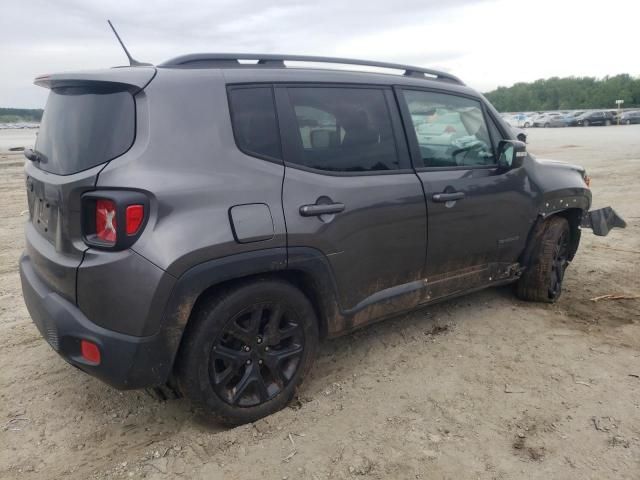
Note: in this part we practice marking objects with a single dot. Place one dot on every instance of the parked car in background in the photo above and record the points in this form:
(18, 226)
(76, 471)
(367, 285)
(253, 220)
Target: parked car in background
(627, 118)
(571, 118)
(520, 120)
(550, 120)
(596, 117)
(520, 134)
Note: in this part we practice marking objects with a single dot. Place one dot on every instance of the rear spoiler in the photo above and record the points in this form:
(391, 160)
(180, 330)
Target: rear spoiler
(133, 79)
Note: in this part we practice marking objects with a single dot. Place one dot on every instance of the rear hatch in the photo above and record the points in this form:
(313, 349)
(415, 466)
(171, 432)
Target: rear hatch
(89, 119)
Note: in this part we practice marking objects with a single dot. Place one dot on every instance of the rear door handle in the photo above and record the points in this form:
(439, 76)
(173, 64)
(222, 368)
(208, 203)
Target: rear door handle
(447, 197)
(321, 209)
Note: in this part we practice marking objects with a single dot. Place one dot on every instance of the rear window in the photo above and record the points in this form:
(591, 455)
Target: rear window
(84, 127)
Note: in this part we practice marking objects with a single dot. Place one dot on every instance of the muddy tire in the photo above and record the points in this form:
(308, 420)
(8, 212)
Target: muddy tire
(246, 351)
(542, 278)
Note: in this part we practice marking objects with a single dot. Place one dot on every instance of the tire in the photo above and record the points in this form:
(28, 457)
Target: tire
(627, 122)
(585, 123)
(240, 359)
(607, 123)
(546, 125)
(527, 124)
(542, 278)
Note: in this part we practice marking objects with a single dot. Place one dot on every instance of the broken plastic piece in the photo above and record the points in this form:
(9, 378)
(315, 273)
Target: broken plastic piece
(601, 221)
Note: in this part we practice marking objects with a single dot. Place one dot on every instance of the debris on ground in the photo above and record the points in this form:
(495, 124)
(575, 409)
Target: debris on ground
(612, 296)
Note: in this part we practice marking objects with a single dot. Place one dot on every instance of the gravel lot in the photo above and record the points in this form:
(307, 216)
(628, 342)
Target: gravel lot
(481, 387)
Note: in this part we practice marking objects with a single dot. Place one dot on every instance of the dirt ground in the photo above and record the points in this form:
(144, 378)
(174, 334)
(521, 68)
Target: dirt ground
(484, 387)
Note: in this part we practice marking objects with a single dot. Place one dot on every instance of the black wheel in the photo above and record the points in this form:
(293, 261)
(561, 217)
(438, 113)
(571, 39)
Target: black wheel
(527, 124)
(542, 278)
(247, 350)
(628, 122)
(607, 123)
(585, 123)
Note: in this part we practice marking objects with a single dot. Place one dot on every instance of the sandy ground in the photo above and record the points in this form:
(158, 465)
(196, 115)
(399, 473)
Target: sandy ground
(483, 387)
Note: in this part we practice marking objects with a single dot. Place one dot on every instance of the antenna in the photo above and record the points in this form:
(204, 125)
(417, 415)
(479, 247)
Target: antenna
(132, 61)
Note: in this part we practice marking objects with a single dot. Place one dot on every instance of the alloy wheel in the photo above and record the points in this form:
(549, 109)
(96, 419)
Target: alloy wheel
(559, 265)
(257, 355)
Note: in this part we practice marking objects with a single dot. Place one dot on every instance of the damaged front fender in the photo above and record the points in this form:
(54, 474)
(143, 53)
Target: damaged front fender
(601, 221)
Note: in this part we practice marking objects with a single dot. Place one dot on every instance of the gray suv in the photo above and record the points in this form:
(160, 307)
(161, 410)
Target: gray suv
(198, 226)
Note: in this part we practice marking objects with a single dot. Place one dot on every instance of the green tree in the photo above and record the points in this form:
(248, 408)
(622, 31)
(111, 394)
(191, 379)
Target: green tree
(567, 93)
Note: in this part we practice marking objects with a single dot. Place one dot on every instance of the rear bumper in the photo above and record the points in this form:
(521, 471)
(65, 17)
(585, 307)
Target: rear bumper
(126, 361)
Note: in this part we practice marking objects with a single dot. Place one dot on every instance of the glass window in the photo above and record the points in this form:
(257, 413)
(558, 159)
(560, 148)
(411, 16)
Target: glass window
(451, 130)
(83, 127)
(254, 121)
(343, 129)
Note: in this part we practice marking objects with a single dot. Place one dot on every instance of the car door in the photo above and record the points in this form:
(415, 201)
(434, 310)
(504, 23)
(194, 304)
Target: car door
(479, 215)
(597, 118)
(349, 191)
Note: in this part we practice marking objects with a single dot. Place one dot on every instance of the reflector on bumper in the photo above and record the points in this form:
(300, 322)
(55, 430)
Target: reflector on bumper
(601, 221)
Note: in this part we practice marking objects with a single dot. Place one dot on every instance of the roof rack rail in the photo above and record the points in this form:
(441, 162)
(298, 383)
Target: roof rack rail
(205, 60)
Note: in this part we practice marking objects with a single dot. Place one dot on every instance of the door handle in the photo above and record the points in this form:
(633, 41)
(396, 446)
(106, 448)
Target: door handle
(321, 209)
(447, 197)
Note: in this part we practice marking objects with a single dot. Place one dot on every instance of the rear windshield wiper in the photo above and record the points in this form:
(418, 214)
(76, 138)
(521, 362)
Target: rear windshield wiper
(34, 155)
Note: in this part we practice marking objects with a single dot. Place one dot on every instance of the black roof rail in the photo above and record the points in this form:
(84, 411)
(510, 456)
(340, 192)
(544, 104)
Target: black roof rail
(208, 60)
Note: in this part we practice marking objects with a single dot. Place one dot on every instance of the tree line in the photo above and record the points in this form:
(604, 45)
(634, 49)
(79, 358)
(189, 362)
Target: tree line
(567, 93)
(10, 115)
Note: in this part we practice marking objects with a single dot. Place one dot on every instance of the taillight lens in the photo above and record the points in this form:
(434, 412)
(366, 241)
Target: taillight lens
(106, 221)
(134, 217)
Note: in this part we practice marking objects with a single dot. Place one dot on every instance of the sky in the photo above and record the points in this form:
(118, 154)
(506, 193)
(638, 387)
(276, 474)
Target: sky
(487, 43)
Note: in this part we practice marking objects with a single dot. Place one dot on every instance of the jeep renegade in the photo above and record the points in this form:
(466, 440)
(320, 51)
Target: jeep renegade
(205, 222)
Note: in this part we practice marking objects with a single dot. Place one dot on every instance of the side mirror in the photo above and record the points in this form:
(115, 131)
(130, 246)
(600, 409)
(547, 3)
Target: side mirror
(511, 153)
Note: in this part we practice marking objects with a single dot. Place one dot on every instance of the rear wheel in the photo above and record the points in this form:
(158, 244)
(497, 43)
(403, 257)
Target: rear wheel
(247, 351)
(542, 279)
(546, 125)
(628, 122)
(607, 123)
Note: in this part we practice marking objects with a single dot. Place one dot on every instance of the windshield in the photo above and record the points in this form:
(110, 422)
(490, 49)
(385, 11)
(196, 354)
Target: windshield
(83, 127)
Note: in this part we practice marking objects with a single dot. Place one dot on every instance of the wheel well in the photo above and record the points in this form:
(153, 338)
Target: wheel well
(301, 280)
(574, 217)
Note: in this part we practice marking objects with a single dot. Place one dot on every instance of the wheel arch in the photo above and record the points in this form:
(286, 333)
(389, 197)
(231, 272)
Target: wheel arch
(572, 215)
(304, 268)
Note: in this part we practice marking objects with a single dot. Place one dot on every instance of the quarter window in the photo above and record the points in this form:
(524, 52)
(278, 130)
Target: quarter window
(343, 129)
(451, 130)
(254, 121)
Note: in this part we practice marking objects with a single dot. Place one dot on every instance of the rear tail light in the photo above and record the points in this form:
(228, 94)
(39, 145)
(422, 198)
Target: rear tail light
(106, 221)
(113, 219)
(135, 216)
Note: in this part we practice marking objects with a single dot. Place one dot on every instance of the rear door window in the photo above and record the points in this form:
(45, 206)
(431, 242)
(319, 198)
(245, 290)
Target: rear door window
(342, 129)
(83, 127)
(254, 121)
(451, 131)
